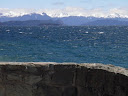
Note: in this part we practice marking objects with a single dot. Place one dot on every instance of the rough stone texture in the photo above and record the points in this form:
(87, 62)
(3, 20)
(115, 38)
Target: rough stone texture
(62, 79)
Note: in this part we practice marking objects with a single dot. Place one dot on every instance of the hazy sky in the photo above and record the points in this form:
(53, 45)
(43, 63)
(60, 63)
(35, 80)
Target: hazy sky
(88, 4)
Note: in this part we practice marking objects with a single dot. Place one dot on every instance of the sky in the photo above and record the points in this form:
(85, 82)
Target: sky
(49, 4)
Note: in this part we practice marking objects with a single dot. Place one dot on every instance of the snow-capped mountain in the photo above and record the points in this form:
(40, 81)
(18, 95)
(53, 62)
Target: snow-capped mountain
(69, 16)
(66, 12)
(31, 16)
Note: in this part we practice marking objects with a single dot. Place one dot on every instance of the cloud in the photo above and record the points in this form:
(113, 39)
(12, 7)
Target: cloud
(69, 11)
(123, 12)
(16, 12)
(96, 12)
(58, 3)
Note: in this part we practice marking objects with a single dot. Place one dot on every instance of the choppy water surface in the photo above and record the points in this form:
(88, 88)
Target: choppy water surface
(107, 45)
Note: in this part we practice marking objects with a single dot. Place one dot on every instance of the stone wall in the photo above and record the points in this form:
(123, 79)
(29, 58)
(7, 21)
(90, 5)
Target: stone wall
(62, 79)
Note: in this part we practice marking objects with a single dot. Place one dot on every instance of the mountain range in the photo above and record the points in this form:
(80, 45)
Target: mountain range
(35, 19)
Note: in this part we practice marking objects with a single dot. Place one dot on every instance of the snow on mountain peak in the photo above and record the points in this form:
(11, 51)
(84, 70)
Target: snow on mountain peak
(66, 12)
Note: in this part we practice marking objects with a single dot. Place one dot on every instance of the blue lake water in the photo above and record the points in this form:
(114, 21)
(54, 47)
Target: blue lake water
(107, 45)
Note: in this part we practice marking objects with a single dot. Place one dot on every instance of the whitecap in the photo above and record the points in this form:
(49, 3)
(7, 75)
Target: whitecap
(101, 32)
(21, 32)
(1, 49)
(7, 30)
(62, 28)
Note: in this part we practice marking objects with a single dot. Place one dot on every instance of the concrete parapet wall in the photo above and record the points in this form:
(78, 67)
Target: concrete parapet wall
(62, 79)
